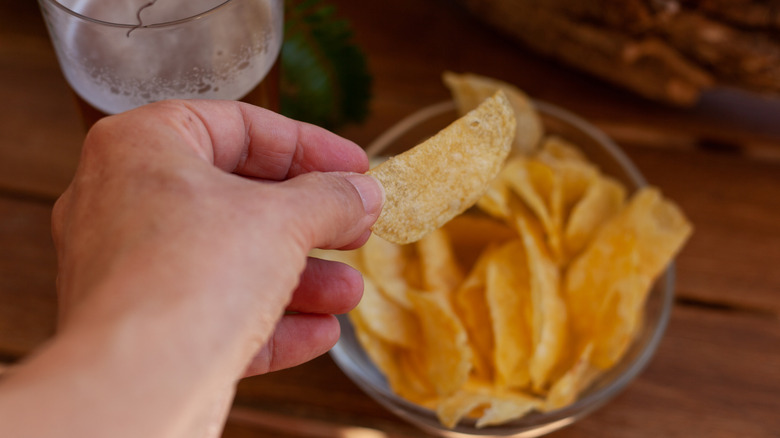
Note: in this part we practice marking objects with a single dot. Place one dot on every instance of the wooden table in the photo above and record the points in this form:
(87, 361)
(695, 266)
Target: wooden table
(717, 372)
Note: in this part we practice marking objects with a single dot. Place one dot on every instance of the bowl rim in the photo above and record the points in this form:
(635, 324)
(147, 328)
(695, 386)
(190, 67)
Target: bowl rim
(589, 401)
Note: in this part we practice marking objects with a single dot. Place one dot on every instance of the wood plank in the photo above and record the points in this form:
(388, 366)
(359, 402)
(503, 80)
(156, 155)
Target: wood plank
(734, 204)
(40, 133)
(27, 276)
(712, 376)
(407, 75)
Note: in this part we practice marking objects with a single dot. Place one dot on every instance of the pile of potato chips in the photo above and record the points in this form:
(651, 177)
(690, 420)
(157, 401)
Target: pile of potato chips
(519, 303)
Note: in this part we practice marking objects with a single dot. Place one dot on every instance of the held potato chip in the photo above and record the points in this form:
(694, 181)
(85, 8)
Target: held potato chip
(440, 178)
(469, 90)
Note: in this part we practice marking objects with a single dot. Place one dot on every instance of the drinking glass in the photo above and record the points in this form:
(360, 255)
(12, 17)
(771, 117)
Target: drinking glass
(120, 54)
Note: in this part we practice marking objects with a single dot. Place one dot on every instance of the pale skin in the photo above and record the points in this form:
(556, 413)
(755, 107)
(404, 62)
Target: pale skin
(182, 245)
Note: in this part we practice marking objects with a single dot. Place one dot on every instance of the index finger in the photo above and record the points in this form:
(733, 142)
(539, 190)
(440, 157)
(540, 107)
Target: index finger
(255, 142)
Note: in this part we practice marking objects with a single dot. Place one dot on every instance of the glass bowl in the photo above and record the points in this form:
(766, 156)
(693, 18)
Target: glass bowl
(600, 149)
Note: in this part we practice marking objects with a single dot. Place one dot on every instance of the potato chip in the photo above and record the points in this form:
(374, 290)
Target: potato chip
(507, 407)
(548, 319)
(382, 353)
(444, 342)
(576, 178)
(490, 404)
(534, 183)
(440, 270)
(385, 318)
(602, 200)
(470, 304)
(416, 385)
(472, 234)
(460, 405)
(557, 149)
(661, 229)
(636, 245)
(403, 378)
(495, 201)
(384, 263)
(538, 186)
(469, 90)
(508, 297)
(568, 387)
(440, 178)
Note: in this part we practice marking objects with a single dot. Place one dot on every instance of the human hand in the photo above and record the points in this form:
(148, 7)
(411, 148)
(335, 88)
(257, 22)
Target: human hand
(158, 192)
(182, 245)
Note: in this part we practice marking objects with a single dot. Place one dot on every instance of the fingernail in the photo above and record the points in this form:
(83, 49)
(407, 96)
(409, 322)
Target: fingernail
(371, 191)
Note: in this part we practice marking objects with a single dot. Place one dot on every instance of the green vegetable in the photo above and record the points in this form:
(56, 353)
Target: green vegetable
(325, 80)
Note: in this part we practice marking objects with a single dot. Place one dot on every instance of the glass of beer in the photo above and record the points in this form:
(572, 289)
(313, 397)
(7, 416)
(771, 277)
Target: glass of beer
(120, 54)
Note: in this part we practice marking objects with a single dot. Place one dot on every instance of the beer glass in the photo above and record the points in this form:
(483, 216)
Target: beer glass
(120, 54)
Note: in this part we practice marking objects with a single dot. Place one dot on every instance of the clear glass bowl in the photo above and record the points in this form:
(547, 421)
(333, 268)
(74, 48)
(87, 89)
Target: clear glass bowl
(351, 358)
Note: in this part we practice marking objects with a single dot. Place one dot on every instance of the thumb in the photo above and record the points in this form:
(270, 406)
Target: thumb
(333, 209)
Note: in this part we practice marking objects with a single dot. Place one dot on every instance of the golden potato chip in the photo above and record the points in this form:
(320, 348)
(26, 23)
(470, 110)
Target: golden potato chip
(460, 405)
(384, 263)
(576, 174)
(538, 186)
(576, 178)
(416, 385)
(440, 271)
(469, 90)
(447, 357)
(472, 234)
(470, 304)
(557, 149)
(381, 353)
(489, 404)
(496, 199)
(533, 182)
(393, 361)
(385, 318)
(602, 200)
(548, 319)
(440, 178)
(508, 298)
(636, 245)
(661, 229)
(568, 387)
(507, 407)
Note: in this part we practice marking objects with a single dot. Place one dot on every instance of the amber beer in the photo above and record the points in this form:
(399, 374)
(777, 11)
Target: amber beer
(265, 94)
(120, 54)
